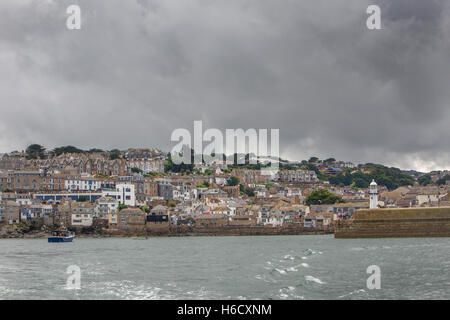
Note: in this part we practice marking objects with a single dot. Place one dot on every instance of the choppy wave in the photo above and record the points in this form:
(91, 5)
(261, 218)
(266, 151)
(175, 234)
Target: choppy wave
(289, 293)
(313, 279)
(353, 293)
(276, 268)
(280, 271)
(305, 265)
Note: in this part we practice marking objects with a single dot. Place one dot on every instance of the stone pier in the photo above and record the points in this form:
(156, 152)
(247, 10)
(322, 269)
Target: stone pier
(398, 222)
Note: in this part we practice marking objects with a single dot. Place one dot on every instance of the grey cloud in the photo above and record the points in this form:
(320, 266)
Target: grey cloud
(140, 69)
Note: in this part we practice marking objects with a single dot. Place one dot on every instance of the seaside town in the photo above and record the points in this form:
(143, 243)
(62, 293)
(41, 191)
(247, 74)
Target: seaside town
(142, 192)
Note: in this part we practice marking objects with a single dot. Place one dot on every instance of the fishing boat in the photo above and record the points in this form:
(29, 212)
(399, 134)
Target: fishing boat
(61, 235)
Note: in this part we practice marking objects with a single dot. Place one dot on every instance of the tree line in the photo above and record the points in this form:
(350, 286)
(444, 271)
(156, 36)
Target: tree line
(37, 151)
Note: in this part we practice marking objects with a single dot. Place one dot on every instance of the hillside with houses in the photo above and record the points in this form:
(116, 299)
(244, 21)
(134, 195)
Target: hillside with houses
(141, 191)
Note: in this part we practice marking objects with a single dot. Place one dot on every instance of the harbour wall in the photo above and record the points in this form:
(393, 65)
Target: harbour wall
(396, 223)
(222, 231)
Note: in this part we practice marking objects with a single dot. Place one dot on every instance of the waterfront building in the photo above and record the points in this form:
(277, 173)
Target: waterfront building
(11, 212)
(157, 218)
(211, 220)
(82, 214)
(132, 220)
(105, 206)
(242, 220)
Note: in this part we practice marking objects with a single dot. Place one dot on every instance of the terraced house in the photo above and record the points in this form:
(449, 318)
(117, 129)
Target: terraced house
(82, 214)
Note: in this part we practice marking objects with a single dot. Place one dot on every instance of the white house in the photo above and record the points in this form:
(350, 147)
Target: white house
(275, 221)
(124, 193)
(82, 219)
(82, 184)
(309, 222)
(105, 206)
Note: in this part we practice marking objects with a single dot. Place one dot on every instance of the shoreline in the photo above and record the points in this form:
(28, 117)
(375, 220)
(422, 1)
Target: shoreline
(200, 232)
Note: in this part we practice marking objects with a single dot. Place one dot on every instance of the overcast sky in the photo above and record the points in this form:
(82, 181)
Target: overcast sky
(138, 69)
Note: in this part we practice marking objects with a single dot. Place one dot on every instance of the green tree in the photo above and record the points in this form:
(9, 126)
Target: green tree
(360, 183)
(35, 151)
(392, 178)
(171, 203)
(67, 149)
(170, 166)
(136, 170)
(425, 180)
(95, 150)
(204, 184)
(248, 191)
(443, 180)
(233, 181)
(114, 154)
(323, 196)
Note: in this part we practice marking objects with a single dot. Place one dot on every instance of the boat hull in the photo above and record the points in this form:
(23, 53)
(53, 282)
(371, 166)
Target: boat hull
(60, 239)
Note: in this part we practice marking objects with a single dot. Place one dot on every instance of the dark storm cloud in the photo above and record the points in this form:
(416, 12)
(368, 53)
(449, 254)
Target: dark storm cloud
(137, 70)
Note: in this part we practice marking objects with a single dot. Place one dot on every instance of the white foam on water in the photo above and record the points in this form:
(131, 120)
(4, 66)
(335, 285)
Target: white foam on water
(292, 269)
(289, 293)
(305, 265)
(352, 293)
(127, 290)
(313, 279)
(281, 271)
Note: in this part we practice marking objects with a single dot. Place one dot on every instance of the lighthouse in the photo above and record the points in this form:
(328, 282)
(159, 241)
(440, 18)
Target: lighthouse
(373, 193)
